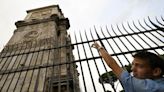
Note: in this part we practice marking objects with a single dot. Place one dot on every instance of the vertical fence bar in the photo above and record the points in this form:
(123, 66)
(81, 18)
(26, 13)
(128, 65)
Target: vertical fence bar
(158, 28)
(150, 32)
(23, 50)
(50, 80)
(41, 86)
(2, 56)
(28, 72)
(159, 22)
(138, 35)
(94, 61)
(127, 38)
(81, 65)
(109, 77)
(37, 79)
(9, 59)
(122, 43)
(115, 43)
(133, 37)
(162, 18)
(75, 75)
(16, 60)
(68, 78)
(34, 71)
(2, 60)
(88, 64)
(59, 72)
(8, 49)
(8, 52)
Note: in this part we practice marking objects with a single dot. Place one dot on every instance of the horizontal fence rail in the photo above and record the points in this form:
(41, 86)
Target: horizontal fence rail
(86, 67)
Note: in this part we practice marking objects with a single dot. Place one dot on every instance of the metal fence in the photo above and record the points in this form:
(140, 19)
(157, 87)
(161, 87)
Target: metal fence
(121, 41)
(30, 70)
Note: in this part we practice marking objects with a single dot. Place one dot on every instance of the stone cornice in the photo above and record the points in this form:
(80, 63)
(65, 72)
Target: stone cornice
(51, 6)
(32, 22)
(59, 21)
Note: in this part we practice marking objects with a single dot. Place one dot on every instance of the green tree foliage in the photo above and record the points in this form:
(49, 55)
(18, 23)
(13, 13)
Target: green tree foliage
(110, 76)
(162, 56)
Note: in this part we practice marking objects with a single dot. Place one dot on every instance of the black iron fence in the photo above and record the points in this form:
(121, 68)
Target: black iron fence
(121, 41)
(32, 73)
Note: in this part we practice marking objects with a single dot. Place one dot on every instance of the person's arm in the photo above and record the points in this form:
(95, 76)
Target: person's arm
(117, 70)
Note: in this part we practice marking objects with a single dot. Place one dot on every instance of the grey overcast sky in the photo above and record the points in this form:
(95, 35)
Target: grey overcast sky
(83, 14)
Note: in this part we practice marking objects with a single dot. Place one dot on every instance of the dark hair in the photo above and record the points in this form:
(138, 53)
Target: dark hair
(153, 60)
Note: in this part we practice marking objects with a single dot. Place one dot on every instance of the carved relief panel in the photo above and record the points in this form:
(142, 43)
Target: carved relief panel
(33, 36)
(41, 14)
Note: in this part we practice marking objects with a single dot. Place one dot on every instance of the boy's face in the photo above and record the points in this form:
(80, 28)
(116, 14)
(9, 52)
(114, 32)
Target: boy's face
(141, 69)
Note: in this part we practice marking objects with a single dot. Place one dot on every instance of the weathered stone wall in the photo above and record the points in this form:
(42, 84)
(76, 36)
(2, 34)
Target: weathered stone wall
(33, 59)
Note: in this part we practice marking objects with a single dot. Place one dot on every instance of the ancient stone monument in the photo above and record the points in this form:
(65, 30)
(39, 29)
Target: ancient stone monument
(38, 56)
